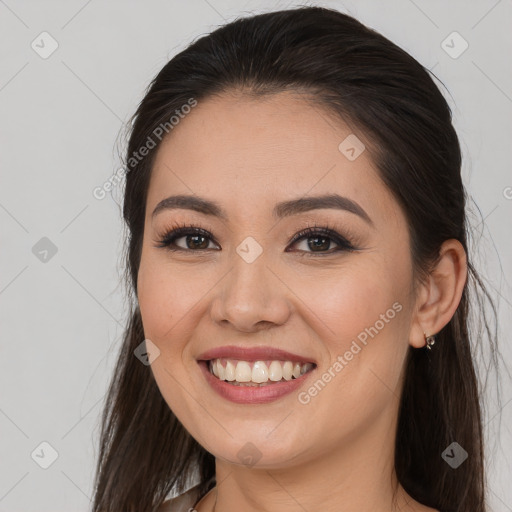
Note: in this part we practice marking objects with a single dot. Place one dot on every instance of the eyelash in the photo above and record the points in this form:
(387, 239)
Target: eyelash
(178, 231)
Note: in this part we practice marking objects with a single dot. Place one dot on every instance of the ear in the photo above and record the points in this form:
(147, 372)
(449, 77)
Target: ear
(438, 298)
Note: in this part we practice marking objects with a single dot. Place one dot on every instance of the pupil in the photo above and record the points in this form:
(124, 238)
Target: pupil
(201, 246)
(324, 245)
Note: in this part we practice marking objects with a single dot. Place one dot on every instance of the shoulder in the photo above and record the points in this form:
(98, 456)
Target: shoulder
(182, 503)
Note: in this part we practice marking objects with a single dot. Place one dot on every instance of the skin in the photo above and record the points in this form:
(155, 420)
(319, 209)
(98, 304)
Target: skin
(247, 155)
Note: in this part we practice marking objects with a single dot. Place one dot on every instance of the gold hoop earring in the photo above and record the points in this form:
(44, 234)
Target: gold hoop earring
(429, 340)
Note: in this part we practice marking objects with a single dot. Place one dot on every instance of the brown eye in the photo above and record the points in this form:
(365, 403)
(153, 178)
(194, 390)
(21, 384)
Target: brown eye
(195, 239)
(318, 240)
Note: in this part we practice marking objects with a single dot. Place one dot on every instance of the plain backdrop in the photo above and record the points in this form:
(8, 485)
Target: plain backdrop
(62, 305)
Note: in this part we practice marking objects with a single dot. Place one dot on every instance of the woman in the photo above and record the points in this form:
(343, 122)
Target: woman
(297, 253)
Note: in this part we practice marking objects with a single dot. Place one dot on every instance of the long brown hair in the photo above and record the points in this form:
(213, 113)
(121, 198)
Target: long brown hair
(369, 82)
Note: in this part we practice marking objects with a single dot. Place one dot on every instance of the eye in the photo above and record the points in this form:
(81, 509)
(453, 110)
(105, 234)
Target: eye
(318, 237)
(197, 239)
(194, 237)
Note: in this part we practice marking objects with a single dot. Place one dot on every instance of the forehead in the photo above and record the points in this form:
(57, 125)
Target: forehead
(251, 152)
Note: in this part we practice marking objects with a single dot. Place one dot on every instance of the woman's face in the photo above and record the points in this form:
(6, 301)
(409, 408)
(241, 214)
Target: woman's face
(246, 285)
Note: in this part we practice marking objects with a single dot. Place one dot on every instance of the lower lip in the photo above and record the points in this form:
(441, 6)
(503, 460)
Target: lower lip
(252, 394)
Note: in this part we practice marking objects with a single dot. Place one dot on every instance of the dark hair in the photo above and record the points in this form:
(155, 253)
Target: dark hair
(392, 102)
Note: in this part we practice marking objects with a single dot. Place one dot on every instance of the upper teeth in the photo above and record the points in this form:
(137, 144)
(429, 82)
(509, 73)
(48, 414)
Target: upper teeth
(258, 372)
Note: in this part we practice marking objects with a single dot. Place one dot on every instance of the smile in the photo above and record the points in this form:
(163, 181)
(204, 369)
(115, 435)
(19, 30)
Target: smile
(242, 389)
(257, 373)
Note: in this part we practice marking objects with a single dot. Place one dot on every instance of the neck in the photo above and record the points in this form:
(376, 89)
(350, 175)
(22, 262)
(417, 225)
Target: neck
(357, 477)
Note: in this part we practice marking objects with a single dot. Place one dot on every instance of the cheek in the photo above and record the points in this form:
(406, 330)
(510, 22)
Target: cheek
(153, 297)
(344, 302)
(166, 312)
(167, 298)
(361, 314)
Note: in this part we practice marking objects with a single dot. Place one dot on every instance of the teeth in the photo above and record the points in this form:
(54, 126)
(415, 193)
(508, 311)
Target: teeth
(275, 371)
(220, 371)
(287, 370)
(242, 372)
(229, 374)
(261, 372)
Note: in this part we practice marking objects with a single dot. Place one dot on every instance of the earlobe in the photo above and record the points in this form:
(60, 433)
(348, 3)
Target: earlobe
(440, 295)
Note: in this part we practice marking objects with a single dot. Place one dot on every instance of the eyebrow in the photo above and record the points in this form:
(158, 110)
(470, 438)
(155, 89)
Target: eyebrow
(281, 210)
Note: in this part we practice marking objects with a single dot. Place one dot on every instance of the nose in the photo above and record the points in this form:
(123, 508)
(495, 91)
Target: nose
(251, 297)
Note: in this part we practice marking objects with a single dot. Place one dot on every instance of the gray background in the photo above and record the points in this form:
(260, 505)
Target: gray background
(62, 314)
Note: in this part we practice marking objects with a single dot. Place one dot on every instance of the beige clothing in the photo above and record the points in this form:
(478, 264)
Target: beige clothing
(183, 503)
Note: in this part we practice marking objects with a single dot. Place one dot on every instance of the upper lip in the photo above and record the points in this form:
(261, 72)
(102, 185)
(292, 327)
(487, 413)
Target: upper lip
(253, 354)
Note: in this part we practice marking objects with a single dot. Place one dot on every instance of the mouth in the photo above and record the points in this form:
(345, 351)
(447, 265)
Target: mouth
(254, 382)
(257, 373)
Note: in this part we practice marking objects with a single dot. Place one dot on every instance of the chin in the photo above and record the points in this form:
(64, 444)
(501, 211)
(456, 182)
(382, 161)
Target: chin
(257, 451)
